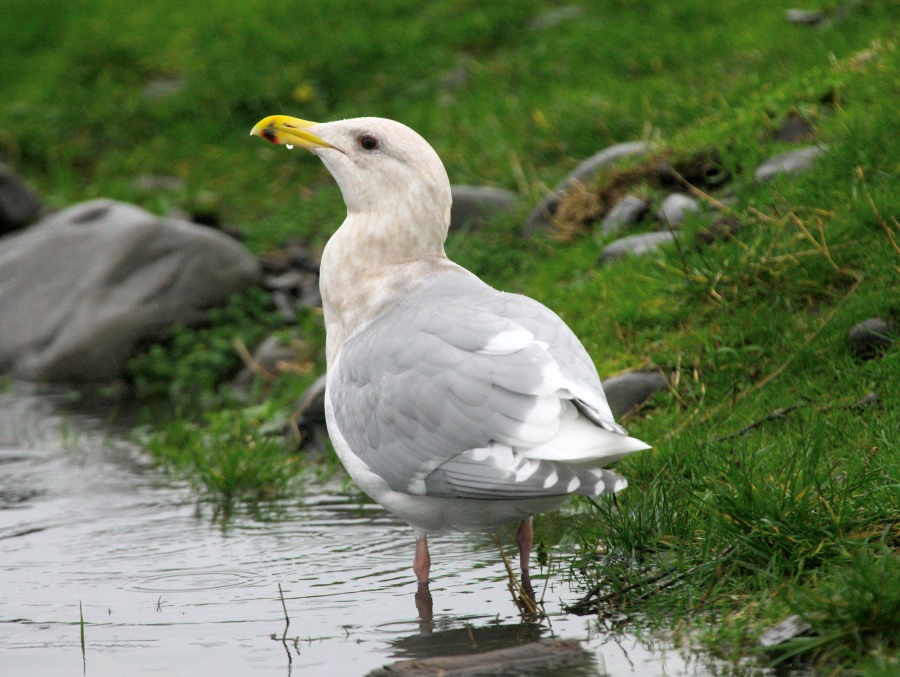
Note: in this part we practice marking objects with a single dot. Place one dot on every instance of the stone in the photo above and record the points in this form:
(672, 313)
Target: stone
(157, 183)
(163, 88)
(553, 17)
(792, 162)
(19, 205)
(85, 287)
(635, 245)
(809, 17)
(722, 229)
(871, 338)
(675, 208)
(790, 627)
(300, 288)
(541, 217)
(626, 212)
(626, 392)
(475, 205)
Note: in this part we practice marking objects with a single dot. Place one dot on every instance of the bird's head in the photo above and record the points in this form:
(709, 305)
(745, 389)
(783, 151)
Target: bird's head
(384, 168)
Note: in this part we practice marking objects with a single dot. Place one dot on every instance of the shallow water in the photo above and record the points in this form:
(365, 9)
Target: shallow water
(166, 590)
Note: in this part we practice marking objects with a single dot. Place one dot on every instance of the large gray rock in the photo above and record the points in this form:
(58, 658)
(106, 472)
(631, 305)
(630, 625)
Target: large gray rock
(473, 205)
(792, 162)
(541, 216)
(80, 290)
(19, 205)
(635, 245)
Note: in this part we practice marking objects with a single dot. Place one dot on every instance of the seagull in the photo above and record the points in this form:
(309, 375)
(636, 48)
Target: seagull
(455, 406)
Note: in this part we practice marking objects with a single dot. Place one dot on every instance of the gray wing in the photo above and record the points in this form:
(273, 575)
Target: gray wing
(441, 395)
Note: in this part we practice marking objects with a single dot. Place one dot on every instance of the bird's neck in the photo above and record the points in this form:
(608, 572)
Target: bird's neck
(366, 267)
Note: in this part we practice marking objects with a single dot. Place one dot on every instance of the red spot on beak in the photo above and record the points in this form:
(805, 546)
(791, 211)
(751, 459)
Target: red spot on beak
(270, 135)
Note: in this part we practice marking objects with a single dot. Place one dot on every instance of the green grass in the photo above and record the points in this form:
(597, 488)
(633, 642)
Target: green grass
(739, 517)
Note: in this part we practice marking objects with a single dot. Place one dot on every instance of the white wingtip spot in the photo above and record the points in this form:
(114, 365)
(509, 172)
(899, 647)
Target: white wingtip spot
(599, 487)
(620, 484)
(481, 454)
(552, 479)
(507, 342)
(574, 483)
(527, 470)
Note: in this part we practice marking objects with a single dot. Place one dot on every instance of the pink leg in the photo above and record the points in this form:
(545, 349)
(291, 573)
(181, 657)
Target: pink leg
(422, 567)
(422, 562)
(524, 540)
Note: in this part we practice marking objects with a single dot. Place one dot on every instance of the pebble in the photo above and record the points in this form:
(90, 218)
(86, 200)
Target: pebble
(626, 212)
(554, 17)
(635, 245)
(871, 337)
(675, 208)
(475, 205)
(790, 627)
(792, 162)
(152, 183)
(809, 17)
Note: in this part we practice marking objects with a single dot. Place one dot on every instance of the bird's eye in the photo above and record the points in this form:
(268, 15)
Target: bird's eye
(367, 142)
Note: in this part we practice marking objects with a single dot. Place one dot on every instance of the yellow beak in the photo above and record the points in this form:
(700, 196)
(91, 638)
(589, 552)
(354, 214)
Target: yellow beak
(288, 131)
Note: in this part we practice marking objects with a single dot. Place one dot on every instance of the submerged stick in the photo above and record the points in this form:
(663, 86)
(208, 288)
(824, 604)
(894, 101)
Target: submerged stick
(287, 624)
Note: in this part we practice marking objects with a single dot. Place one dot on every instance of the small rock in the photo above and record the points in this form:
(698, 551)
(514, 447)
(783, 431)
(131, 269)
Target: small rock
(474, 205)
(457, 78)
(792, 162)
(554, 17)
(284, 306)
(675, 208)
(871, 337)
(794, 129)
(626, 212)
(626, 392)
(635, 245)
(723, 228)
(289, 280)
(809, 17)
(151, 183)
(19, 205)
(541, 216)
(162, 88)
(790, 627)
